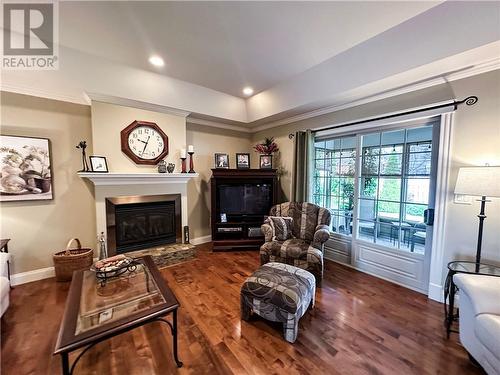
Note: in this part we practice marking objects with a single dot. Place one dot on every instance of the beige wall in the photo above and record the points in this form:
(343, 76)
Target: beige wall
(108, 120)
(475, 141)
(39, 229)
(208, 141)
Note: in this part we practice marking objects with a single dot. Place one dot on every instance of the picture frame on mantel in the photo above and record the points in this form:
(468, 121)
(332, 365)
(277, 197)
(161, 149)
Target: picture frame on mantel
(26, 168)
(98, 164)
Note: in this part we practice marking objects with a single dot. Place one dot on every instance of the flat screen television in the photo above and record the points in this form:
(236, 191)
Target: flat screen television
(245, 199)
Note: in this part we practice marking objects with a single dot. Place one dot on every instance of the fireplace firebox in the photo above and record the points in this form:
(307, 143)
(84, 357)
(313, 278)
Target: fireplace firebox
(141, 222)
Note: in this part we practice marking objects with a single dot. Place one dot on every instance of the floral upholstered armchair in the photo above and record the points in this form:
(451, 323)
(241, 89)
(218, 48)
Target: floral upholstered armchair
(310, 229)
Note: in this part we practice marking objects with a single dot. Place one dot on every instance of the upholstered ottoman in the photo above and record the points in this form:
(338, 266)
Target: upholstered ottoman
(279, 292)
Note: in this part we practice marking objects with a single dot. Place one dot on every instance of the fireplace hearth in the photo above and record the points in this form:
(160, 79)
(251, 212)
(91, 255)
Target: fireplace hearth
(142, 222)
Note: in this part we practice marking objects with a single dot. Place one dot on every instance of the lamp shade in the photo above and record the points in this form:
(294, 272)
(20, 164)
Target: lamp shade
(480, 181)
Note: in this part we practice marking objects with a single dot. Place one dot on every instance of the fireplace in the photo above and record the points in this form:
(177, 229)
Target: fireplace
(141, 222)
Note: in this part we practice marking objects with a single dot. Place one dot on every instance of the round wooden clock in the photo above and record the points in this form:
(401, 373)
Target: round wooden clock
(144, 142)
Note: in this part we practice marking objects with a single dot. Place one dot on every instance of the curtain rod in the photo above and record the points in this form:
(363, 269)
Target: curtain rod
(470, 100)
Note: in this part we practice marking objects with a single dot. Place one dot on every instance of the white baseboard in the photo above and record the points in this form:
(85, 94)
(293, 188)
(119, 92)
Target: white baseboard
(436, 292)
(29, 276)
(200, 240)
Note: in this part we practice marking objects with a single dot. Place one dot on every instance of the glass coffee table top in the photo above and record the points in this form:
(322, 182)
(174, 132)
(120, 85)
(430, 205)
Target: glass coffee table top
(117, 298)
(96, 310)
(470, 267)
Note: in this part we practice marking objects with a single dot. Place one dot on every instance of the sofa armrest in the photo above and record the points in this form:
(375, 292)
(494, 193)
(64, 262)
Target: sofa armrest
(4, 258)
(483, 292)
(268, 232)
(321, 235)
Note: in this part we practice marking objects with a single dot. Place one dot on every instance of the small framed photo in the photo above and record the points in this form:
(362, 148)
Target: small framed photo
(223, 218)
(266, 162)
(98, 164)
(242, 161)
(221, 160)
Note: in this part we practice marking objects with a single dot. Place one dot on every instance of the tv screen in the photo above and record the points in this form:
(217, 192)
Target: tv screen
(245, 199)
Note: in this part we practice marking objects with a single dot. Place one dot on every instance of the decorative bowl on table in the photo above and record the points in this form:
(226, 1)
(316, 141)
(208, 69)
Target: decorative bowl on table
(108, 268)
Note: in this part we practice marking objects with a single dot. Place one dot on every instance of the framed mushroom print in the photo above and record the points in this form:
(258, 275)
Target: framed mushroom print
(25, 165)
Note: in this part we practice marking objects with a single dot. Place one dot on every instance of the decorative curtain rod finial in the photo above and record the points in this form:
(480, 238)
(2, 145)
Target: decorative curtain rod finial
(291, 136)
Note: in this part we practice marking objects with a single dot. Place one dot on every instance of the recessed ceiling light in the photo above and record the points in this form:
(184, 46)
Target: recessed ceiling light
(248, 91)
(156, 61)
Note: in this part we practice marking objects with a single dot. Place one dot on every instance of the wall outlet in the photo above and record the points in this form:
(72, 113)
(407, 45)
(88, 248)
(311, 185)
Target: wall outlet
(462, 199)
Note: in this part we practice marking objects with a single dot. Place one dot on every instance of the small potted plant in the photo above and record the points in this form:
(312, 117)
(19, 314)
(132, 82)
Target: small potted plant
(268, 147)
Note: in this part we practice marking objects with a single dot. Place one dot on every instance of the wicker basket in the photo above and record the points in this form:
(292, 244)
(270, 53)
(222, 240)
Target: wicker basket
(72, 259)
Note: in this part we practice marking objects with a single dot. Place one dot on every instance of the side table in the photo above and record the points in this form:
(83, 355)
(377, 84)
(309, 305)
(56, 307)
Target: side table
(450, 289)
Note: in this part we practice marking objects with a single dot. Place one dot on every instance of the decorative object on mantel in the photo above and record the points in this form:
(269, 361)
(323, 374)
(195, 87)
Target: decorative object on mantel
(82, 145)
(144, 142)
(266, 150)
(103, 251)
(483, 182)
(170, 167)
(221, 160)
(72, 259)
(266, 162)
(183, 160)
(26, 168)
(162, 166)
(268, 147)
(98, 164)
(191, 163)
(242, 160)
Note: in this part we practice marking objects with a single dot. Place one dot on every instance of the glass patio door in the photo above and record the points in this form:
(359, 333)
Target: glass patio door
(379, 187)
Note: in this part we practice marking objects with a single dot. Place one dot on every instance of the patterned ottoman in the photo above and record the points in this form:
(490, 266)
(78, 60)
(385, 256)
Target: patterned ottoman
(279, 292)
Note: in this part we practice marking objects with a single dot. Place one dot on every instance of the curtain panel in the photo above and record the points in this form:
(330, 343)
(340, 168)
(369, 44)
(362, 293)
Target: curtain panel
(302, 166)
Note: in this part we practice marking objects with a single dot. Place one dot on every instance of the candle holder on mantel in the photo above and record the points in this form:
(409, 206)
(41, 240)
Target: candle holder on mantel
(191, 163)
(183, 165)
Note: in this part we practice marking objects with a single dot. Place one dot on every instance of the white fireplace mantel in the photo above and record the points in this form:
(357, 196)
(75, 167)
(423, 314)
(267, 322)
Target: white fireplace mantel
(114, 179)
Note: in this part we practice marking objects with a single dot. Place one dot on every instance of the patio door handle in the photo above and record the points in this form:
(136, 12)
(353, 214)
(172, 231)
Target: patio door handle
(429, 216)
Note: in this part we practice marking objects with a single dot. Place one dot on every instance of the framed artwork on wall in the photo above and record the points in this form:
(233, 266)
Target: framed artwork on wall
(221, 160)
(25, 164)
(98, 164)
(242, 161)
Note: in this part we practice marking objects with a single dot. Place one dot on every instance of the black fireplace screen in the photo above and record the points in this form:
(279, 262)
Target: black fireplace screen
(144, 225)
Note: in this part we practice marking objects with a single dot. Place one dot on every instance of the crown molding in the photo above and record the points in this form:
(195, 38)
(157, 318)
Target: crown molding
(480, 68)
(197, 121)
(53, 95)
(135, 104)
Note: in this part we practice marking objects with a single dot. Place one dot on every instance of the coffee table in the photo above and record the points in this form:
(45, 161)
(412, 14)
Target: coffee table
(97, 311)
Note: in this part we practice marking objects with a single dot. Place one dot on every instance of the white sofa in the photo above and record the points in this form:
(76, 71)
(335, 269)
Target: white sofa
(4, 282)
(480, 319)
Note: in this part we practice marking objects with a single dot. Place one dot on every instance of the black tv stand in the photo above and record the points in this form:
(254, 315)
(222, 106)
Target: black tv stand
(240, 232)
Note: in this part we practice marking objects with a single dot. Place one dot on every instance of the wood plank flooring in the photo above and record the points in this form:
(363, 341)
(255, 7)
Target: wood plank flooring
(360, 325)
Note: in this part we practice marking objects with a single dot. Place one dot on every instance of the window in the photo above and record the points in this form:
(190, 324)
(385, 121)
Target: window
(392, 179)
(334, 173)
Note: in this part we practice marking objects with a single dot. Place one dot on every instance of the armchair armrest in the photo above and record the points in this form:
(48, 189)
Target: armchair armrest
(321, 235)
(268, 232)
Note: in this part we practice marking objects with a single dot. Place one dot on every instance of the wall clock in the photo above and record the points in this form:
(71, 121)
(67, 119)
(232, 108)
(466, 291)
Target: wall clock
(144, 142)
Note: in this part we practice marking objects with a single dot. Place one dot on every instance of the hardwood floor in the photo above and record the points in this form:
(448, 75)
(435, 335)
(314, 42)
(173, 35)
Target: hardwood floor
(360, 325)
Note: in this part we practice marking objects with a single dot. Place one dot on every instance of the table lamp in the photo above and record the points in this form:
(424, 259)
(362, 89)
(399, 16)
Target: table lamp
(483, 182)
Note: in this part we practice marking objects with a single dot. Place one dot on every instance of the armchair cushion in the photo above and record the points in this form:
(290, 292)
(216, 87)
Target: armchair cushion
(281, 227)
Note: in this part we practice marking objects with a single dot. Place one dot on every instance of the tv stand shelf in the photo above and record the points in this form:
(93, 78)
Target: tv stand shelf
(253, 190)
